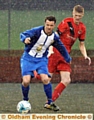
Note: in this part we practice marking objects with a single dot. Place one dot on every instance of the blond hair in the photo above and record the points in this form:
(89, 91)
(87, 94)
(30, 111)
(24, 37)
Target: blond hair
(78, 8)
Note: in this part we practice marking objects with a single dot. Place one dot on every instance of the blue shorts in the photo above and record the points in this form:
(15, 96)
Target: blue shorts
(38, 64)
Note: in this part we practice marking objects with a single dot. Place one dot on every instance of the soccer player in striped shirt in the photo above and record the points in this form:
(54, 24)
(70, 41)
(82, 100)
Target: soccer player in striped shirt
(37, 42)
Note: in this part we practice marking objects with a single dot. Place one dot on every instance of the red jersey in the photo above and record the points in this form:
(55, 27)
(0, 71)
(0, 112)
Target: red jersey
(69, 32)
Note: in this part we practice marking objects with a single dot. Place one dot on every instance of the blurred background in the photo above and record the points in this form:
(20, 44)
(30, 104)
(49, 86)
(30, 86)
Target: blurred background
(19, 15)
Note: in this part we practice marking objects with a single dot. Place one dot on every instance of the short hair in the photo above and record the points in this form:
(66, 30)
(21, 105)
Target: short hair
(50, 18)
(78, 8)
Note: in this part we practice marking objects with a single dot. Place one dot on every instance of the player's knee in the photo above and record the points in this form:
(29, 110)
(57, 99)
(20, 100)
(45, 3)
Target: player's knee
(66, 81)
(26, 80)
(45, 80)
(25, 83)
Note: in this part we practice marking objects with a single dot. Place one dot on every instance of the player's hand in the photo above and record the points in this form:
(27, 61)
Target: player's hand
(70, 62)
(50, 53)
(27, 40)
(89, 60)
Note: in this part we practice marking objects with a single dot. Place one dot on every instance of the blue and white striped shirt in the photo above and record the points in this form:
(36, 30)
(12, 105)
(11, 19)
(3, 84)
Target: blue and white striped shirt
(40, 43)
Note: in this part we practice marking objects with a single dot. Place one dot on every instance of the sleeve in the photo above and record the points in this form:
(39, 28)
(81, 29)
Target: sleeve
(62, 27)
(28, 33)
(83, 33)
(61, 48)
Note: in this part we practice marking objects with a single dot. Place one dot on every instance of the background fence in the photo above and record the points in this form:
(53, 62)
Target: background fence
(44, 4)
(19, 15)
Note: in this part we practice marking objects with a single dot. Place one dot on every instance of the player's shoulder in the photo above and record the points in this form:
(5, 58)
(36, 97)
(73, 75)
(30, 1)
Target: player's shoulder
(38, 28)
(82, 24)
(56, 35)
(68, 19)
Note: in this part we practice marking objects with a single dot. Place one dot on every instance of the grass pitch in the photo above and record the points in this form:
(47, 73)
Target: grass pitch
(23, 20)
(76, 98)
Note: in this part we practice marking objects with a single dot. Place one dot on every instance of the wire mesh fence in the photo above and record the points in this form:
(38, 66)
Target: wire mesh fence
(17, 16)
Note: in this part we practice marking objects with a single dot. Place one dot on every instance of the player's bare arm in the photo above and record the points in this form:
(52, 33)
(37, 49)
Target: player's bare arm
(84, 53)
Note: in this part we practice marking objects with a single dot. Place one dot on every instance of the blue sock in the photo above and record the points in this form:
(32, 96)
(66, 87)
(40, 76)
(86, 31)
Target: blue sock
(25, 91)
(48, 92)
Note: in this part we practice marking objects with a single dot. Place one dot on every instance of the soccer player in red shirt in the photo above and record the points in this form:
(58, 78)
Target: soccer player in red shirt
(69, 30)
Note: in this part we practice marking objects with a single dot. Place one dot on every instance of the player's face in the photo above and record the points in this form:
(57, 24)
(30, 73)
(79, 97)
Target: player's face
(49, 26)
(77, 17)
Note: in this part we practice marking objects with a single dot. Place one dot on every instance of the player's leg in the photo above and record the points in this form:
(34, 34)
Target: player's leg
(47, 86)
(36, 75)
(25, 86)
(65, 80)
(48, 91)
(46, 77)
(26, 77)
(64, 69)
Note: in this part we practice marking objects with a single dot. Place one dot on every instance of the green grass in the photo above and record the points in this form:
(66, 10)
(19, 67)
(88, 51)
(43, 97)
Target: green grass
(23, 20)
(76, 98)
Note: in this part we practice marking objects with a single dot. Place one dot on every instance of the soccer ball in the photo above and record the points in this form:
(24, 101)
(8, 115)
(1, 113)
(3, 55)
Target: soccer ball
(23, 107)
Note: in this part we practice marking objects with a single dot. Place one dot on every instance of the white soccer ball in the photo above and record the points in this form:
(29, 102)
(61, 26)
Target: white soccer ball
(23, 107)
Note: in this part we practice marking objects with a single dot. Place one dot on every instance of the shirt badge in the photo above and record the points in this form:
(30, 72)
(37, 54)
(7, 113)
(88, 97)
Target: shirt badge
(39, 48)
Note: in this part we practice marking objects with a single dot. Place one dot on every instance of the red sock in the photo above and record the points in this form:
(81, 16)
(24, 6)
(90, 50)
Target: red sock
(58, 90)
(36, 75)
